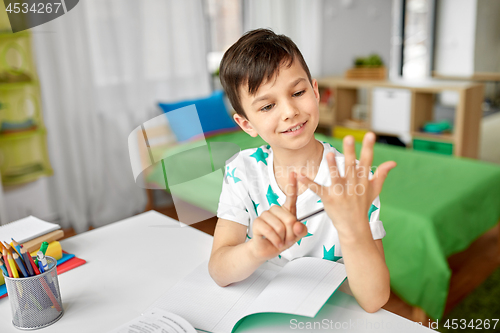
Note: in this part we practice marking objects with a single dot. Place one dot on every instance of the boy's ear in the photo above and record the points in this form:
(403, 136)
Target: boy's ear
(315, 88)
(245, 125)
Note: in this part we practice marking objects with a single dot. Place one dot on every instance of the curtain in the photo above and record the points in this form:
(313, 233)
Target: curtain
(301, 20)
(102, 67)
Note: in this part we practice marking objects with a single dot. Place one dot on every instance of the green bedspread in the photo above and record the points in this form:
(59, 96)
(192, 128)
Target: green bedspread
(431, 205)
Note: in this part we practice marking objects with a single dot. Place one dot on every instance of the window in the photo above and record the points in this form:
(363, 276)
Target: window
(418, 32)
(225, 26)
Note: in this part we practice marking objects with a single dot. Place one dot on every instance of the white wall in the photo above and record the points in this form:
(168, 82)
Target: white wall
(29, 199)
(354, 28)
(455, 37)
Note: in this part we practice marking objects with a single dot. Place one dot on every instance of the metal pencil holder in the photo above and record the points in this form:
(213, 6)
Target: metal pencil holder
(35, 301)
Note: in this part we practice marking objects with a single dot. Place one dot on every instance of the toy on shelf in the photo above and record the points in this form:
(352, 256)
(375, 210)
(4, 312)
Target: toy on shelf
(437, 127)
(369, 68)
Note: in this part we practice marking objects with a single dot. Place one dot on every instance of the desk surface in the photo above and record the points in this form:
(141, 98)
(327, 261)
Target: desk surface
(98, 297)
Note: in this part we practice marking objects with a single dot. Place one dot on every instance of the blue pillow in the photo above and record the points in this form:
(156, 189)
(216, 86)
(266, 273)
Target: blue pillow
(212, 113)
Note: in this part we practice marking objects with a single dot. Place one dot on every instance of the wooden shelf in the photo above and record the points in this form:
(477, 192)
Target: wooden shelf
(355, 124)
(45, 170)
(468, 113)
(10, 34)
(477, 76)
(424, 85)
(15, 85)
(22, 134)
(325, 115)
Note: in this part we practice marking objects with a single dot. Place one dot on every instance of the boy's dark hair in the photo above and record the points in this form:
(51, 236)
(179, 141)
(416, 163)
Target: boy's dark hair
(255, 57)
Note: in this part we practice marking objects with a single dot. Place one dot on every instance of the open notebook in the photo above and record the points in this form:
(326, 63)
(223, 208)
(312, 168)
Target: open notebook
(300, 288)
(26, 229)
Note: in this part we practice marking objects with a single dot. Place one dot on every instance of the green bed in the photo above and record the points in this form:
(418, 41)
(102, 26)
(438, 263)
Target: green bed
(431, 205)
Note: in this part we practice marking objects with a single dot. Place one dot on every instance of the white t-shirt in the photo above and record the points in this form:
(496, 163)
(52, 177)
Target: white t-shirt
(250, 188)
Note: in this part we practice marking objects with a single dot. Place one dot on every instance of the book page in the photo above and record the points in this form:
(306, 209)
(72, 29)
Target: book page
(209, 307)
(26, 229)
(156, 321)
(302, 287)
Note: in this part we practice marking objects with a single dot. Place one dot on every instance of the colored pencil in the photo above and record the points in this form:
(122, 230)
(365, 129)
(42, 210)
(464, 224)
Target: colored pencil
(32, 262)
(8, 247)
(27, 261)
(50, 294)
(12, 264)
(7, 265)
(20, 264)
(4, 247)
(4, 270)
(16, 246)
(11, 251)
(320, 210)
(35, 302)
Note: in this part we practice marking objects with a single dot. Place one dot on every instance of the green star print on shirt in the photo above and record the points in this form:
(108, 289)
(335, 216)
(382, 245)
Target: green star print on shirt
(372, 209)
(330, 255)
(231, 174)
(272, 198)
(255, 207)
(260, 155)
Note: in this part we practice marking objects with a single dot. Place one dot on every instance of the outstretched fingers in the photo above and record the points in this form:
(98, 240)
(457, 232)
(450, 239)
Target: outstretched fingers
(350, 158)
(291, 194)
(332, 166)
(290, 205)
(380, 176)
(366, 158)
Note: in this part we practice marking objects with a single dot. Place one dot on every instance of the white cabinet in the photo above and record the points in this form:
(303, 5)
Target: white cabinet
(391, 111)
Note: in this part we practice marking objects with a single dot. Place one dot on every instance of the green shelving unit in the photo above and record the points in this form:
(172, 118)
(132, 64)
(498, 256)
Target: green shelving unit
(23, 137)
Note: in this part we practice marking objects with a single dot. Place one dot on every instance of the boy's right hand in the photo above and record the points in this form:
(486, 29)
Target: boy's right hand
(277, 229)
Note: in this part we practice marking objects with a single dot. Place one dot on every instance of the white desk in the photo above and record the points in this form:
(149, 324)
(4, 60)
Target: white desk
(114, 287)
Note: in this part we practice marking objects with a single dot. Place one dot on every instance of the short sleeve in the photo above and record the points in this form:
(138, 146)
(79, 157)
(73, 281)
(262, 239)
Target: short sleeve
(376, 226)
(231, 203)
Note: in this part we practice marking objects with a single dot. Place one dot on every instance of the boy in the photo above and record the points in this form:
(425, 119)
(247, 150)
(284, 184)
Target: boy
(266, 189)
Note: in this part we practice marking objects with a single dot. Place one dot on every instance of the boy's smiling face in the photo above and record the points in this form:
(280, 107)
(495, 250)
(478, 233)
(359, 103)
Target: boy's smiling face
(283, 102)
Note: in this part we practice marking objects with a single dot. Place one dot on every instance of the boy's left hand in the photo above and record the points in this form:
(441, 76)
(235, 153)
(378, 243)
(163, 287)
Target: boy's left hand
(348, 199)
